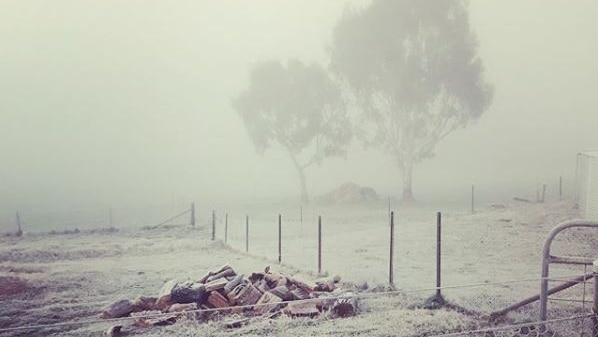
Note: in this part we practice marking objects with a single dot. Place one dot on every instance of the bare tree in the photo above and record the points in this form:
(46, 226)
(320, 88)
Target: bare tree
(414, 71)
(298, 107)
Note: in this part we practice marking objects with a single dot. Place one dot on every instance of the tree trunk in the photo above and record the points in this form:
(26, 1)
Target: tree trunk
(407, 170)
(301, 174)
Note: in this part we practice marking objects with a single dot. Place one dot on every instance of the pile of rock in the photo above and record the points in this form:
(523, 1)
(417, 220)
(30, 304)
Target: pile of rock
(223, 292)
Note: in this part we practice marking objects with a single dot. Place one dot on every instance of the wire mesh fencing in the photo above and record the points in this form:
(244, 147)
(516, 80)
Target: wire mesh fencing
(575, 326)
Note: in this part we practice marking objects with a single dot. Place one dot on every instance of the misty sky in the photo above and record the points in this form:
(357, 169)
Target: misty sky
(111, 101)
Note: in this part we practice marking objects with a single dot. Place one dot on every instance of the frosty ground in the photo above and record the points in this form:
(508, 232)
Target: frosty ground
(71, 277)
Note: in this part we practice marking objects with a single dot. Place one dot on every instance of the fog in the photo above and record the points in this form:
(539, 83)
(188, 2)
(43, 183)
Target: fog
(129, 103)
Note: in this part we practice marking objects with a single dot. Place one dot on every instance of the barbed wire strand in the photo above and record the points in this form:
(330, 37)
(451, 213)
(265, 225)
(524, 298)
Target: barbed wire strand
(509, 327)
(309, 300)
(569, 300)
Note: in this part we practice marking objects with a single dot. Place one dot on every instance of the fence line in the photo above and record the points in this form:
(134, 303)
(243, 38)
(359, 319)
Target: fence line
(92, 218)
(433, 239)
(381, 229)
(172, 218)
(437, 299)
(310, 300)
(510, 327)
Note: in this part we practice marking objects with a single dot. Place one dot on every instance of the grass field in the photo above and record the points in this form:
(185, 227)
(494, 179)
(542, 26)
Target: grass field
(71, 277)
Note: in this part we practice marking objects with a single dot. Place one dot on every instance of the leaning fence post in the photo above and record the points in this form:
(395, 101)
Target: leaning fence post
(213, 225)
(247, 233)
(438, 252)
(319, 244)
(226, 228)
(279, 238)
(392, 244)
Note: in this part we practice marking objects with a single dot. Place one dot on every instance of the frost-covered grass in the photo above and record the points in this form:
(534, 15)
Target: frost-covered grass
(498, 242)
(72, 276)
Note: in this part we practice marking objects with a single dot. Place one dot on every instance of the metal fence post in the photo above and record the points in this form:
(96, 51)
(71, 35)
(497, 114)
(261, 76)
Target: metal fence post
(438, 252)
(247, 233)
(319, 244)
(392, 245)
(213, 225)
(472, 199)
(279, 238)
(389, 210)
(561, 188)
(192, 215)
(226, 228)
(19, 227)
(595, 304)
(301, 222)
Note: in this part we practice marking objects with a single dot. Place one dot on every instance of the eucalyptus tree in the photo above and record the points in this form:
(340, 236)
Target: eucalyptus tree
(296, 106)
(415, 74)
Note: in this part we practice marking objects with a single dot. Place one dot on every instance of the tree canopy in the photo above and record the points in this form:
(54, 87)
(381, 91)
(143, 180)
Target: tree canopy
(413, 68)
(298, 107)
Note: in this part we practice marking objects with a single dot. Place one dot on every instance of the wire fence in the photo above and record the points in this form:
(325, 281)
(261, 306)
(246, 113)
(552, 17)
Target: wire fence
(580, 325)
(471, 248)
(362, 252)
(585, 324)
(89, 218)
(355, 245)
